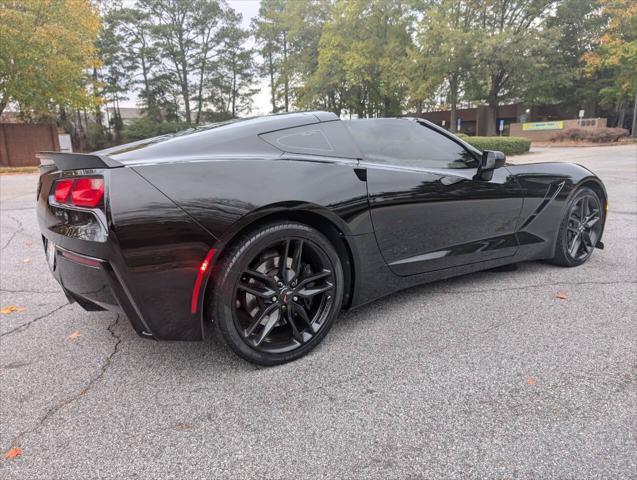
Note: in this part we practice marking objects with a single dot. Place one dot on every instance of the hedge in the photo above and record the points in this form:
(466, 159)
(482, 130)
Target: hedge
(506, 145)
(598, 135)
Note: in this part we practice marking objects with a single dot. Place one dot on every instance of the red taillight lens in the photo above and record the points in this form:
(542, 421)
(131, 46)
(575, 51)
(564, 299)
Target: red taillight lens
(82, 191)
(62, 190)
(87, 192)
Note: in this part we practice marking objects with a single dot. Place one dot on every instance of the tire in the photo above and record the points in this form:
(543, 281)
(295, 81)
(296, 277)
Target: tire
(270, 311)
(567, 253)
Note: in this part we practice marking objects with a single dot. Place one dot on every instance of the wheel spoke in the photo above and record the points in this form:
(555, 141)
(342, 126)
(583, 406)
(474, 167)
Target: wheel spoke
(303, 314)
(267, 328)
(574, 248)
(259, 318)
(314, 278)
(583, 207)
(311, 292)
(283, 262)
(295, 331)
(588, 242)
(296, 259)
(592, 219)
(257, 292)
(262, 277)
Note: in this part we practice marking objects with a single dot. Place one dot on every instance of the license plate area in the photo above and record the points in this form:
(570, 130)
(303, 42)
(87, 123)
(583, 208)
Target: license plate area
(50, 252)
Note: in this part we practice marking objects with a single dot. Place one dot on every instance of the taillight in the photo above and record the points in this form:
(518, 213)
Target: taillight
(87, 192)
(81, 191)
(62, 190)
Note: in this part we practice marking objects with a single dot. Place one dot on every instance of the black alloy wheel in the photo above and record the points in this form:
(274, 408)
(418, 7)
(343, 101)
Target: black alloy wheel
(584, 227)
(283, 292)
(580, 230)
(282, 299)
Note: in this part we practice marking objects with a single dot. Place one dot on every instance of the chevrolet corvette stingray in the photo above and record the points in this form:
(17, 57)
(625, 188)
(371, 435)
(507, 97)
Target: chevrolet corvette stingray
(264, 229)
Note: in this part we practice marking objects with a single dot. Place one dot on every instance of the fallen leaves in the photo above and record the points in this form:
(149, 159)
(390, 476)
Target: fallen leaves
(183, 426)
(11, 309)
(28, 243)
(531, 381)
(561, 295)
(13, 453)
(75, 335)
(26, 260)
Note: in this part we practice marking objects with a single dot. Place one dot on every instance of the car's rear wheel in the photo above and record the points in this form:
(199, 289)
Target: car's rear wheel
(278, 290)
(580, 230)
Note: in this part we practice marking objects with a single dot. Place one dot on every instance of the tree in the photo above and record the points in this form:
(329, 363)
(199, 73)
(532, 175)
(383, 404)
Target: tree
(615, 54)
(183, 32)
(362, 56)
(271, 34)
(446, 42)
(232, 74)
(511, 49)
(45, 51)
(578, 23)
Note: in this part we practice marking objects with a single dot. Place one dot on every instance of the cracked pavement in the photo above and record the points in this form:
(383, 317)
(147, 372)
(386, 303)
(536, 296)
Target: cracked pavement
(484, 376)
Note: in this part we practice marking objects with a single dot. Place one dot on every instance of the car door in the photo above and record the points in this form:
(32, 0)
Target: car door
(427, 210)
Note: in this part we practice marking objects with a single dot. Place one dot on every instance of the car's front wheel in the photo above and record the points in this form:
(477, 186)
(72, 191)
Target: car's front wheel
(580, 230)
(278, 290)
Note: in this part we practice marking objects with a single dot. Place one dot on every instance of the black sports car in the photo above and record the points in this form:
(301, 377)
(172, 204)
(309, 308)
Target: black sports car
(266, 228)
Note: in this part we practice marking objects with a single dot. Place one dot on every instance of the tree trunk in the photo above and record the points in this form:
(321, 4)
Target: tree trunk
(453, 100)
(634, 133)
(3, 103)
(286, 80)
(98, 109)
(272, 86)
(621, 114)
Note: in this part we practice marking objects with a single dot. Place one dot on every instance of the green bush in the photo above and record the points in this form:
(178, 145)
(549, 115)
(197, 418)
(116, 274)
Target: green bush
(598, 135)
(506, 145)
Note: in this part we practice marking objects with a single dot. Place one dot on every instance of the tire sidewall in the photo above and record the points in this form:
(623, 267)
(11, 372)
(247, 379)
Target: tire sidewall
(234, 262)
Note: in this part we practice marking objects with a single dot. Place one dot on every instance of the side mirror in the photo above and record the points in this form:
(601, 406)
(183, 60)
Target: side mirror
(490, 160)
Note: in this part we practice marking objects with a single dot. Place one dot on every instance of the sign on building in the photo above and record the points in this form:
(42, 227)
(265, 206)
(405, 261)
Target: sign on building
(530, 126)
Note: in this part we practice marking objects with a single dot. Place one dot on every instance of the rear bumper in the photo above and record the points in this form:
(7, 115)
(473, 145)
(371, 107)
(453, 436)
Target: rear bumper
(95, 284)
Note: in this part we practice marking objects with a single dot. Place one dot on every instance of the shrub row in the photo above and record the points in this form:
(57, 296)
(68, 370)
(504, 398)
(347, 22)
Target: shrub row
(506, 145)
(598, 135)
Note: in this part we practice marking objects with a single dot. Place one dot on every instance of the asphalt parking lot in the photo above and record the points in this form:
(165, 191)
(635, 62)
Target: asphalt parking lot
(485, 376)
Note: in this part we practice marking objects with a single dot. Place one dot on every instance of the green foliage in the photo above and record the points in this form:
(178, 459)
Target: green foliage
(142, 128)
(362, 51)
(598, 135)
(506, 145)
(45, 49)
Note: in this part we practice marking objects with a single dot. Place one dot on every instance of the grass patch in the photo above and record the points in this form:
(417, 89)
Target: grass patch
(13, 170)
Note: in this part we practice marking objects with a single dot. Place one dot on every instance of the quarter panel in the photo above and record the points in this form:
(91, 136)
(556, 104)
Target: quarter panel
(219, 194)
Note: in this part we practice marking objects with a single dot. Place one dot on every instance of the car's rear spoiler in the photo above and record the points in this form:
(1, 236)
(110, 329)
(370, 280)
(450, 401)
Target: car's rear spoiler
(77, 161)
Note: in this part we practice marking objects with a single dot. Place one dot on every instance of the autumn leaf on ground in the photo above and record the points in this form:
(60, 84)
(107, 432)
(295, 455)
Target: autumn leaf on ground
(28, 243)
(26, 260)
(183, 426)
(10, 309)
(75, 335)
(531, 381)
(12, 453)
(561, 295)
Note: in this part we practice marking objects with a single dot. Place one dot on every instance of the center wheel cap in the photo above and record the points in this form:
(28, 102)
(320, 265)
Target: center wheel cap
(285, 296)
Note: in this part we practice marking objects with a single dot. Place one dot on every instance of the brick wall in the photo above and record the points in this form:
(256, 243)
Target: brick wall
(19, 142)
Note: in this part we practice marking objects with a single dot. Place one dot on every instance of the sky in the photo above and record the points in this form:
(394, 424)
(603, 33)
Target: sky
(261, 105)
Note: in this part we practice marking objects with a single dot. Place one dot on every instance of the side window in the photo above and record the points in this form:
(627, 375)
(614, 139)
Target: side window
(327, 139)
(408, 144)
